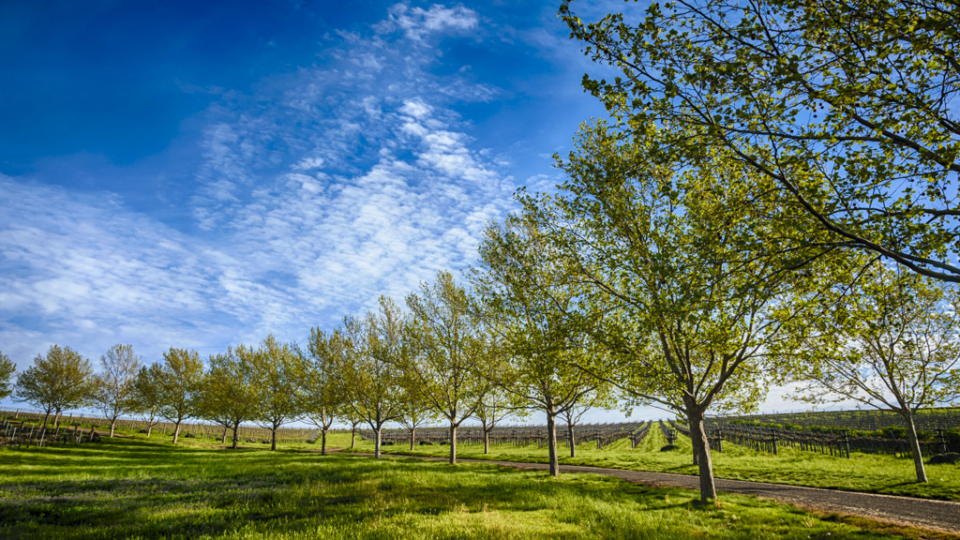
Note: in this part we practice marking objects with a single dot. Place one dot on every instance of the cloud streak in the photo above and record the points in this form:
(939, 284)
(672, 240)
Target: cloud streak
(323, 189)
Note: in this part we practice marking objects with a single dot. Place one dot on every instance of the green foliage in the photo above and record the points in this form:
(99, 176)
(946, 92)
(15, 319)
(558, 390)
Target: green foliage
(115, 385)
(60, 380)
(276, 372)
(177, 383)
(850, 107)
(7, 369)
(229, 392)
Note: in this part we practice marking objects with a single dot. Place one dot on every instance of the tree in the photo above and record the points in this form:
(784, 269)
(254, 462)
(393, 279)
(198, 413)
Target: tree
(178, 381)
(323, 390)
(7, 369)
(850, 107)
(229, 392)
(373, 375)
(277, 373)
(884, 337)
(148, 395)
(415, 410)
(60, 380)
(681, 280)
(525, 294)
(495, 406)
(598, 398)
(446, 337)
(115, 385)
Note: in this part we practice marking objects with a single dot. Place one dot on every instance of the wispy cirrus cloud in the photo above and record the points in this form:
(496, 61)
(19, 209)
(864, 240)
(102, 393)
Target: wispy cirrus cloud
(320, 190)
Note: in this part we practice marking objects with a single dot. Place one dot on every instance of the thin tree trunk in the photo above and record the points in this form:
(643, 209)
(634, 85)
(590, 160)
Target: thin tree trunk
(573, 440)
(176, 431)
(552, 443)
(708, 488)
(353, 438)
(323, 442)
(113, 426)
(486, 441)
(45, 419)
(273, 439)
(413, 437)
(149, 430)
(453, 444)
(236, 435)
(223, 436)
(376, 442)
(56, 419)
(915, 445)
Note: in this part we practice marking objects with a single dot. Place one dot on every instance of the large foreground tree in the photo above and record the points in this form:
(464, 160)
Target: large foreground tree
(681, 282)
(850, 107)
(178, 381)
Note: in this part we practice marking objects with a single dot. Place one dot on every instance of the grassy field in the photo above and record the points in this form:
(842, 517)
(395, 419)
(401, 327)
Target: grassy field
(136, 488)
(862, 472)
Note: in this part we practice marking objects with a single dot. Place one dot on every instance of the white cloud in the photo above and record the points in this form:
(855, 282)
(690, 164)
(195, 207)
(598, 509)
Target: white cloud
(328, 187)
(418, 22)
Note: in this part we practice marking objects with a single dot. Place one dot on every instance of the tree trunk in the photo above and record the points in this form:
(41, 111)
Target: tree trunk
(113, 426)
(376, 443)
(915, 445)
(353, 438)
(708, 488)
(45, 418)
(223, 436)
(273, 439)
(236, 435)
(486, 441)
(56, 419)
(176, 431)
(149, 430)
(552, 443)
(453, 444)
(323, 442)
(573, 440)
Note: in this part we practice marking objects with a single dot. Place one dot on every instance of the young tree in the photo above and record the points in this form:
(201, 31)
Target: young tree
(229, 392)
(415, 410)
(598, 398)
(148, 397)
(525, 293)
(7, 369)
(60, 380)
(323, 390)
(277, 374)
(884, 337)
(446, 338)
(850, 107)
(373, 375)
(495, 406)
(115, 390)
(178, 381)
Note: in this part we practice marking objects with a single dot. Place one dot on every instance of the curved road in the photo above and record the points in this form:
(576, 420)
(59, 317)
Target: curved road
(924, 513)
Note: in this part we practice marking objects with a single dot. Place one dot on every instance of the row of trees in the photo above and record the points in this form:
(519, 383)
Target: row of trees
(772, 201)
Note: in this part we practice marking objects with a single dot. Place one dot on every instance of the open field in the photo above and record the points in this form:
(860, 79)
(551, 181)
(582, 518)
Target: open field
(862, 472)
(135, 488)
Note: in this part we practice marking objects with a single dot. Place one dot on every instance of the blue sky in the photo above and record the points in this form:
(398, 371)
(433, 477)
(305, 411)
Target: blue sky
(201, 174)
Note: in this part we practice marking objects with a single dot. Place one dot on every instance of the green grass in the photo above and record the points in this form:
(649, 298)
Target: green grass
(135, 488)
(862, 472)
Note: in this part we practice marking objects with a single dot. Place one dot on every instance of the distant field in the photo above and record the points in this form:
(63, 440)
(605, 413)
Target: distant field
(862, 472)
(148, 489)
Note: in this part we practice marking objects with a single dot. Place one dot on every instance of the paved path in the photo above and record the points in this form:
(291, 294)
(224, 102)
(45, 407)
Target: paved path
(923, 513)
